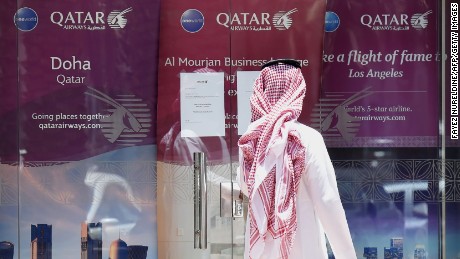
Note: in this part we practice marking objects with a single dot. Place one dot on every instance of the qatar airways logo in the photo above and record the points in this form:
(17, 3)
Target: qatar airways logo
(281, 20)
(92, 21)
(395, 22)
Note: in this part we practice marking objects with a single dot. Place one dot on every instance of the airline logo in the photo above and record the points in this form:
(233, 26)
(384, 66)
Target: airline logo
(420, 20)
(246, 21)
(26, 19)
(127, 121)
(117, 19)
(283, 20)
(192, 20)
(92, 21)
(396, 22)
(332, 22)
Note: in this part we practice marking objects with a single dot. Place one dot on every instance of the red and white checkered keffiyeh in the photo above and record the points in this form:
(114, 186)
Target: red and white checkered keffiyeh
(272, 158)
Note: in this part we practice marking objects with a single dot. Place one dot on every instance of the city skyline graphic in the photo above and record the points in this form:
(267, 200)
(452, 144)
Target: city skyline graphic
(56, 193)
(60, 194)
(91, 244)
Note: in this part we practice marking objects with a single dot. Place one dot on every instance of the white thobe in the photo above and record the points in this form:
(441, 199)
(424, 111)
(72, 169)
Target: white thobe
(319, 209)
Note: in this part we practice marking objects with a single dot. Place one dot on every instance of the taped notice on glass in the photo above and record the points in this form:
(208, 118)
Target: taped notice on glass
(202, 104)
(245, 82)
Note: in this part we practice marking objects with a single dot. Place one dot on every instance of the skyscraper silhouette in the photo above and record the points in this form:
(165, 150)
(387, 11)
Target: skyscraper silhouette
(6, 250)
(91, 240)
(137, 252)
(419, 252)
(118, 250)
(370, 252)
(41, 241)
(398, 243)
(396, 249)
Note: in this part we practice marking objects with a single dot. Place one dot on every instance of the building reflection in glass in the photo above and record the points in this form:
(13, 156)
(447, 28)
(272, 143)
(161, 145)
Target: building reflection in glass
(41, 241)
(6, 250)
(91, 240)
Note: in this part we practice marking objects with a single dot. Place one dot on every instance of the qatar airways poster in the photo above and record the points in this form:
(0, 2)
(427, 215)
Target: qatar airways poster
(381, 93)
(84, 178)
(231, 39)
(381, 74)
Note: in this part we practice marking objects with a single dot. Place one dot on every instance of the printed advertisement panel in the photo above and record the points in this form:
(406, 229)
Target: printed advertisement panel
(381, 99)
(8, 83)
(381, 75)
(92, 87)
(86, 117)
(9, 159)
(219, 37)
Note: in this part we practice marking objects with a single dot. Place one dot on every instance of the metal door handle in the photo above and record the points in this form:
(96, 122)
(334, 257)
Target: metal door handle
(231, 203)
(200, 201)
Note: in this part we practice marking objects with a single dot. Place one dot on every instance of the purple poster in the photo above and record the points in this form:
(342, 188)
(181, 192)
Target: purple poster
(8, 83)
(231, 38)
(381, 75)
(381, 93)
(85, 83)
(86, 113)
(8, 128)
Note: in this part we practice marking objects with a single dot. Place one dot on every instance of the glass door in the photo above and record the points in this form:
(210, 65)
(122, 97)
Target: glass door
(191, 107)
(210, 55)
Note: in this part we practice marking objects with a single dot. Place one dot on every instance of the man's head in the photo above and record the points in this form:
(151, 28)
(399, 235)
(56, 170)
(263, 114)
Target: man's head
(280, 83)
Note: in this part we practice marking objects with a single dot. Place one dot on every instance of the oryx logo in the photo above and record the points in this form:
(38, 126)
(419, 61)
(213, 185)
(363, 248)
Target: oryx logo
(117, 19)
(282, 20)
(419, 20)
(334, 117)
(127, 120)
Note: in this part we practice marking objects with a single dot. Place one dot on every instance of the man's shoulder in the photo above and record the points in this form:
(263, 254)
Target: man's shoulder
(312, 140)
(308, 131)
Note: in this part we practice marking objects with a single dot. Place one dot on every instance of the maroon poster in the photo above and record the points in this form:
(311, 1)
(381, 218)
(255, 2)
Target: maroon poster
(228, 38)
(78, 116)
(381, 75)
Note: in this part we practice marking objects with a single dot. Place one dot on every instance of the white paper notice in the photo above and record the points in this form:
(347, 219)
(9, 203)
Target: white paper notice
(244, 83)
(202, 104)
